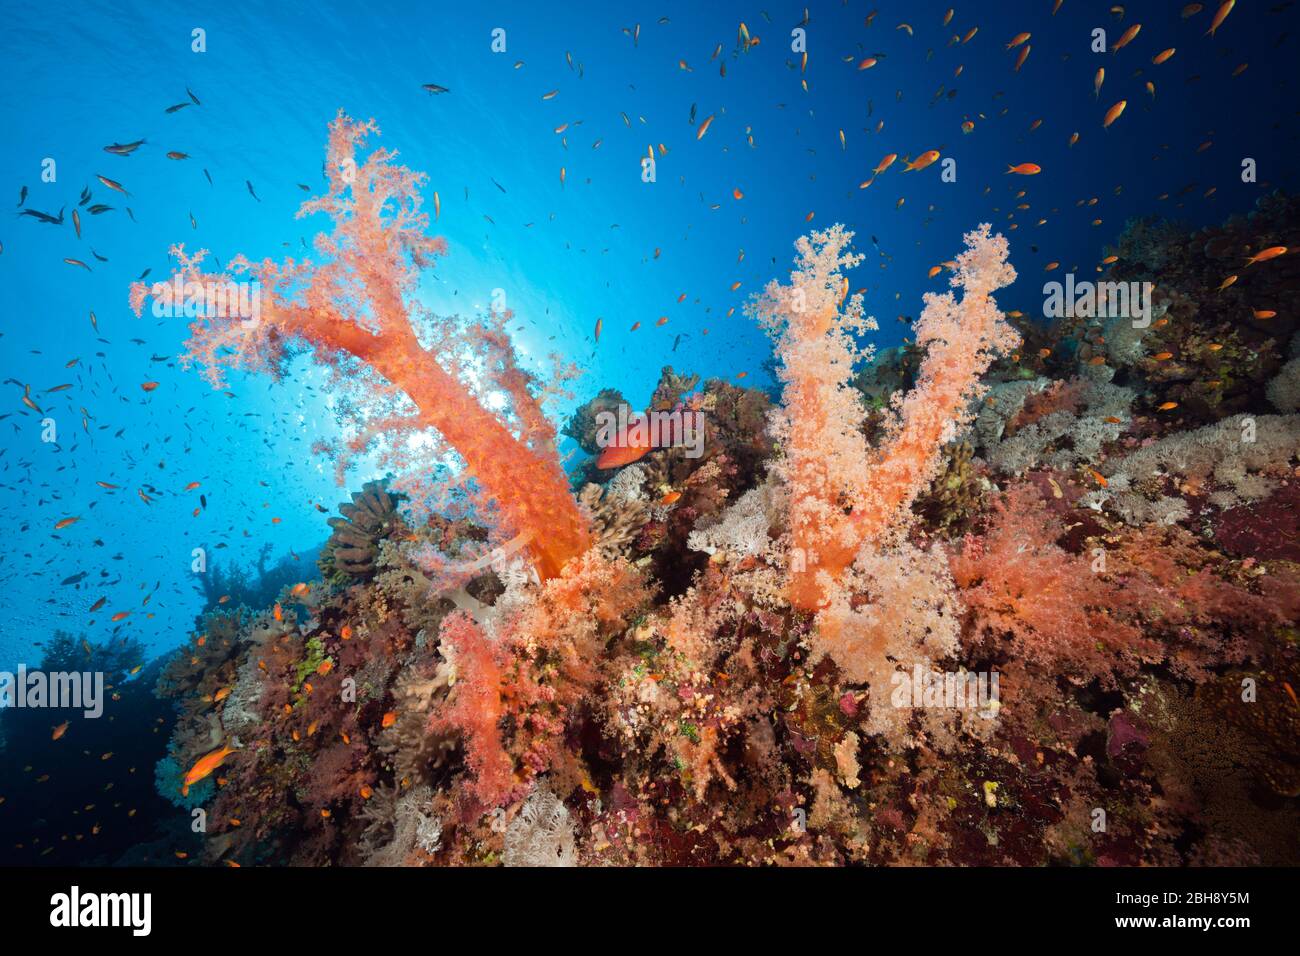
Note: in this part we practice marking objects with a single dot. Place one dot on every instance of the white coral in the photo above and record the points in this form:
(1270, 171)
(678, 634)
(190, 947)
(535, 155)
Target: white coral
(1041, 442)
(1134, 508)
(743, 528)
(1003, 403)
(1232, 452)
(240, 711)
(409, 823)
(1284, 390)
(627, 486)
(541, 834)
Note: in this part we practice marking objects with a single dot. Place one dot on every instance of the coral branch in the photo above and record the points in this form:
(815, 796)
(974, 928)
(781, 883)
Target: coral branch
(358, 311)
(845, 495)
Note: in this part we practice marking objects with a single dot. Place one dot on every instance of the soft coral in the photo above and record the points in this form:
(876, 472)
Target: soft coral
(356, 311)
(845, 495)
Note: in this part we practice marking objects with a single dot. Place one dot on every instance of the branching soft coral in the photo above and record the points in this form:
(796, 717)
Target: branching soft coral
(477, 707)
(1017, 581)
(815, 324)
(358, 311)
(1154, 597)
(516, 692)
(844, 495)
(907, 617)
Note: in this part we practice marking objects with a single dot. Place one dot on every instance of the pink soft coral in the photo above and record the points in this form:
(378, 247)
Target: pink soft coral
(519, 687)
(843, 494)
(1017, 581)
(1153, 597)
(358, 311)
(477, 707)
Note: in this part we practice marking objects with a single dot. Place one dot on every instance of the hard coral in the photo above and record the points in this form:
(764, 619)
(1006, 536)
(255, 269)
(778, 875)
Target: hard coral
(353, 548)
(584, 424)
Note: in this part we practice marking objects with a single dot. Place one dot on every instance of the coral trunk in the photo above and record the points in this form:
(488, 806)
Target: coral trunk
(528, 487)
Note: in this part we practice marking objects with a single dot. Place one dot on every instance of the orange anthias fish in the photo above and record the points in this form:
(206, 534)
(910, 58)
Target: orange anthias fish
(881, 166)
(925, 159)
(1127, 38)
(1220, 15)
(1025, 169)
(204, 767)
(1113, 113)
(1270, 253)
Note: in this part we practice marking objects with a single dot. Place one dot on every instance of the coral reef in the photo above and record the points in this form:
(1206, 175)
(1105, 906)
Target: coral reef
(954, 610)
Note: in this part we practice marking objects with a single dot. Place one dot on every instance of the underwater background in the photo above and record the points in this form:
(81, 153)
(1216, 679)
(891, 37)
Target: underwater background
(535, 154)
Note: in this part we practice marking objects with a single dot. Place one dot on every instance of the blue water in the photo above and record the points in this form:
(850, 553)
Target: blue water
(81, 76)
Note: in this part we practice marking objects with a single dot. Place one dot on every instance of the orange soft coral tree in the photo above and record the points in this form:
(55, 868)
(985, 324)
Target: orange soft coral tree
(521, 681)
(845, 495)
(358, 311)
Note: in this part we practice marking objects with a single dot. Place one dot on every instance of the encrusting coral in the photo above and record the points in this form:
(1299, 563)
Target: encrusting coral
(759, 655)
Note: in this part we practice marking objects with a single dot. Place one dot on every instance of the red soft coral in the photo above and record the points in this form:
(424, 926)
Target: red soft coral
(476, 708)
(1153, 596)
(1016, 581)
(519, 688)
(358, 311)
